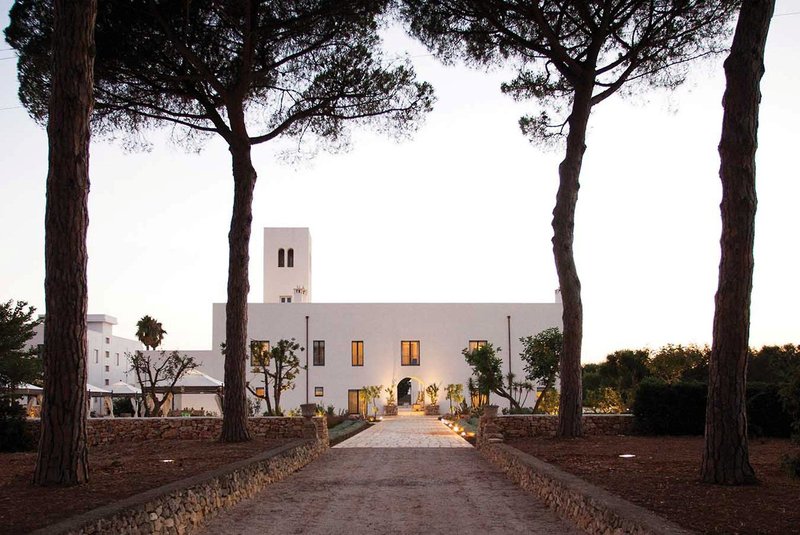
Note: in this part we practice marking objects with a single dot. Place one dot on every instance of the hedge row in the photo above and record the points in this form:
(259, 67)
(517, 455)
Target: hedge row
(680, 409)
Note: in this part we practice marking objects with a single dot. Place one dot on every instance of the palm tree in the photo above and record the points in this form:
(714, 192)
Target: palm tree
(149, 332)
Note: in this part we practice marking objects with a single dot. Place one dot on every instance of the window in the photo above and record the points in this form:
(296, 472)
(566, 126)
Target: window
(319, 391)
(260, 391)
(117, 359)
(286, 299)
(475, 344)
(409, 353)
(280, 257)
(352, 401)
(106, 382)
(290, 258)
(319, 352)
(259, 350)
(108, 354)
(108, 340)
(108, 369)
(357, 353)
(96, 356)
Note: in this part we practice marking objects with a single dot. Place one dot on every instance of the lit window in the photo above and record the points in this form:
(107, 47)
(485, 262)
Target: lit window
(259, 352)
(409, 353)
(286, 299)
(260, 391)
(290, 258)
(280, 257)
(319, 352)
(319, 391)
(475, 344)
(357, 353)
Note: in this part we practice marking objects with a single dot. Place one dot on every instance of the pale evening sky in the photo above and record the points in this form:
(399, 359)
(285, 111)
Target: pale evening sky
(459, 213)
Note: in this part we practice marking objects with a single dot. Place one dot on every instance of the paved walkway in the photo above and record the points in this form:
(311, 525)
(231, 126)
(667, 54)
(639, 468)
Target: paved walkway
(441, 487)
(407, 432)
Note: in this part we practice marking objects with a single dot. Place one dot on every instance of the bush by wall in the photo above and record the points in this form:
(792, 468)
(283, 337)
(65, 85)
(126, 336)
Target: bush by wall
(680, 409)
(14, 435)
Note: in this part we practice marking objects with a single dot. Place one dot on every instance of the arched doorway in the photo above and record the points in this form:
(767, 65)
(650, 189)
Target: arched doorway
(404, 392)
(408, 390)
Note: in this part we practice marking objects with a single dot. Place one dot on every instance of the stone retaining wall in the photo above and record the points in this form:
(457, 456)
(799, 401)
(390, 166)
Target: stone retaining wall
(542, 425)
(181, 507)
(104, 431)
(593, 509)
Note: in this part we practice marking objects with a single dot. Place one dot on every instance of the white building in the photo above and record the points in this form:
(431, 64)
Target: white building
(108, 360)
(351, 345)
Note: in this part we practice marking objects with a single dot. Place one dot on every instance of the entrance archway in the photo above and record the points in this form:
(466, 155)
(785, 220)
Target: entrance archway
(408, 390)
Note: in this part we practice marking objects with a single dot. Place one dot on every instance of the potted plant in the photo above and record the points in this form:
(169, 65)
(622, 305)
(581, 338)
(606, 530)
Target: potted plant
(390, 409)
(420, 402)
(433, 393)
(490, 411)
(308, 410)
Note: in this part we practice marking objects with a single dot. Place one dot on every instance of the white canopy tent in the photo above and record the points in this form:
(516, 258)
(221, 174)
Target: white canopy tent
(97, 392)
(121, 389)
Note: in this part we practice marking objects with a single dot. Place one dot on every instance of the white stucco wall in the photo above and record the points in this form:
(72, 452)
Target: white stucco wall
(442, 329)
(281, 281)
(107, 360)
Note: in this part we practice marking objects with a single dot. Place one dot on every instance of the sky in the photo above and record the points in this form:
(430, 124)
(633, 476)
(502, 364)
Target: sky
(460, 212)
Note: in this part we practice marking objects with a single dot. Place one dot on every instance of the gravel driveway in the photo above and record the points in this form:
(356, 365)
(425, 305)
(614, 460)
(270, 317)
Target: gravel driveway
(355, 490)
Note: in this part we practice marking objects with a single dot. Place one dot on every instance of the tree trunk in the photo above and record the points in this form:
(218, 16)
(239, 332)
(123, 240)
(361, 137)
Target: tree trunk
(726, 458)
(63, 456)
(234, 420)
(570, 403)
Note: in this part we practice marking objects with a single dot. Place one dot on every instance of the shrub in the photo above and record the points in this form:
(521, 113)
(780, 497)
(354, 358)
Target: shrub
(123, 406)
(790, 398)
(670, 409)
(14, 434)
(680, 409)
(766, 415)
(791, 465)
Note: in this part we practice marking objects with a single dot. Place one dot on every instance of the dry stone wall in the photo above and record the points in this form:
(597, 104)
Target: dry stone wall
(105, 431)
(593, 509)
(541, 425)
(181, 507)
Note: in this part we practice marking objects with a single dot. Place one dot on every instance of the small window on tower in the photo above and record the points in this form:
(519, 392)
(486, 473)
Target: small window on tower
(280, 257)
(286, 299)
(290, 258)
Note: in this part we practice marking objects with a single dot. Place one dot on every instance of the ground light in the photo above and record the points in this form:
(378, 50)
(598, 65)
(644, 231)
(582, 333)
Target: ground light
(627, 455)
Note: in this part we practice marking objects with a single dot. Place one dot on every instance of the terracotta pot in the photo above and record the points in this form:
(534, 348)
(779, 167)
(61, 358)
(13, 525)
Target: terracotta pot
(490, 411)
(308, 410)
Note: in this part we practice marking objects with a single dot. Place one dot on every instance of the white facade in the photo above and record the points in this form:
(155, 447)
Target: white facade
(107, 359)
(287, 265)
(443, 330)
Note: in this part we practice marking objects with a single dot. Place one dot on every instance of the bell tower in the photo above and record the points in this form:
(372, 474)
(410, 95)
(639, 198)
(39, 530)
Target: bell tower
(287, 265)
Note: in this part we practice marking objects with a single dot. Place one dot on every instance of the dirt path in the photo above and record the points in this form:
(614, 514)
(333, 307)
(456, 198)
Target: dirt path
(392, 490)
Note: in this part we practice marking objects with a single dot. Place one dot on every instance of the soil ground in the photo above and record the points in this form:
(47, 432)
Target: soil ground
(664, 477)
(115, 472)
